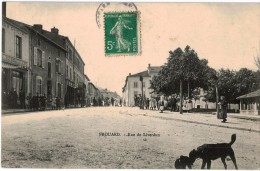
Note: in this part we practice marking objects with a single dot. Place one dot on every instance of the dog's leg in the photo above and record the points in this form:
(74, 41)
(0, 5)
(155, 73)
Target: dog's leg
(224, 162)
(208, 164)
(233, 158)
(203, 164)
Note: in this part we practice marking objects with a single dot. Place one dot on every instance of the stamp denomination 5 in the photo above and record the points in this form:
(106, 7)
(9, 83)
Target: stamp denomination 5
(122, 33)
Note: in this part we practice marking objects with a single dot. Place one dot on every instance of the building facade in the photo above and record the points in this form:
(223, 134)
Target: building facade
(38, 62)
(133, 85)
(47, 64)
(250, 103)
(75, 79)
(15, 62)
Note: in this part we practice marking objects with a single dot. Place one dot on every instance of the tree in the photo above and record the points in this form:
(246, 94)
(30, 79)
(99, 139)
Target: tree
(232, 84)
(247, 81)
(257, 62)
(183, 69)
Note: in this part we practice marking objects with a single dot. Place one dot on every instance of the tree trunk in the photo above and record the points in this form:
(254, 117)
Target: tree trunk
(142, 101)
(217, 100)
(188, 90)
(181, 96)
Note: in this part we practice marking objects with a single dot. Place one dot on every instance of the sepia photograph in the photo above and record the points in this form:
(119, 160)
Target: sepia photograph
(130, 85)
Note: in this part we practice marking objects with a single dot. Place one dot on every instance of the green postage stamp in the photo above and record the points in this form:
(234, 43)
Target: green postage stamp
(122, 33)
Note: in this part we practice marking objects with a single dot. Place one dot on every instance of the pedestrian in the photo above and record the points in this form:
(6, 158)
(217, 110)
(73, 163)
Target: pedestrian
(22, 98)
(57, 103)
(189, 105)
(27, 100)
(174, 104)
(120, 101)
(14, 98)
(161, 104)
(157, 102)
(223, 109)
(112, 101)
(147, 103)
(53, 102)
(43, 101)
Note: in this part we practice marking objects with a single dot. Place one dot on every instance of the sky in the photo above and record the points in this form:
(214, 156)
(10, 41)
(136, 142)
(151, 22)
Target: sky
(226, 34)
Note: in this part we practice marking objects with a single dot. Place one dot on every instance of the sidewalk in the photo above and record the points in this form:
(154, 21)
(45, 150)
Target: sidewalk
(234, 121)
(13, 111)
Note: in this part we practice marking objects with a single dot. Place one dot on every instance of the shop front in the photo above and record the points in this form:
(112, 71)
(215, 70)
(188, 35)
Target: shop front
(13, 86)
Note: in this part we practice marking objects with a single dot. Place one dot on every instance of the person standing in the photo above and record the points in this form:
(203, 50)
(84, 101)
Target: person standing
(174, 103)
(161, 104)
(147, 103)
(223, 111)
(22, 98)
(112, 101)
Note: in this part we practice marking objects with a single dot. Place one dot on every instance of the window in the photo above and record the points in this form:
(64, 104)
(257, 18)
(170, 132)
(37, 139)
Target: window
(59, 90)
(135, 84)
(3, 40)
(67, 71)
(135, 93)
(18, 47)
(17, 81)
(70, 54)
(38, 85)
(58, 66)
(70, 74)
(49, 88)
(49, 69)
(39, 55)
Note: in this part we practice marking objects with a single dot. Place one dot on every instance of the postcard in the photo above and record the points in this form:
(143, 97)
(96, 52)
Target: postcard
(130, 85)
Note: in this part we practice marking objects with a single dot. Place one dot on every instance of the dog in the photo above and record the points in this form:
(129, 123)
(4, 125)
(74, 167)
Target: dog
(183, 162)
(208, 152)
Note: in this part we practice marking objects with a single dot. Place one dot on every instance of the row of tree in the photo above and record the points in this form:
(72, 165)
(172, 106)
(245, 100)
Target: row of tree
(185, 73)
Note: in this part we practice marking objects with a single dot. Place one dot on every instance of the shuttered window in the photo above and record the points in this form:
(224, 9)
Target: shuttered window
(39, 57)
(18, 47)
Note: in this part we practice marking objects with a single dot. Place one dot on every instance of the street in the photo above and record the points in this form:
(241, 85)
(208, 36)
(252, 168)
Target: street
(121, 138)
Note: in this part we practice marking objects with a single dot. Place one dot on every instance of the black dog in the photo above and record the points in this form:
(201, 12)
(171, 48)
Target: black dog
(208, 152)
(182, 162)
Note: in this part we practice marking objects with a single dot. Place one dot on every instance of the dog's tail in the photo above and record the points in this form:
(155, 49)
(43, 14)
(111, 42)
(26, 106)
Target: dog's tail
(233, 139)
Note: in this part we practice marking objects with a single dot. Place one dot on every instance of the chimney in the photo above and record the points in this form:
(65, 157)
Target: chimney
(4, 9)
(149, 69)
(37, 27)
(55, 30)
(129, 74)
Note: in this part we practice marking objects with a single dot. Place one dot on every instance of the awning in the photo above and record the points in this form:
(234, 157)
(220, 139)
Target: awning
(10, 66)
(250, 95)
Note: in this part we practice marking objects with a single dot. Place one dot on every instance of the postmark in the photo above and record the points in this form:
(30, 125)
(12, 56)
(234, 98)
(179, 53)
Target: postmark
(107, 6)
(122, 33)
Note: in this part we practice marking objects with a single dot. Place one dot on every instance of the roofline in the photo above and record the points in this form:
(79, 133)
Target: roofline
(87, 77)
(74, 49)
(47, 38)
(245, 95)
(31, 28)
(5, 19)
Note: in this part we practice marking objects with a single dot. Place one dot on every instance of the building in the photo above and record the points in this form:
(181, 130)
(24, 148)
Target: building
(108, 94)
(86, 94)
(250, 103)
(75, 86)
(47, 63)
(15, 62)
(133, 84)
(38, 62)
